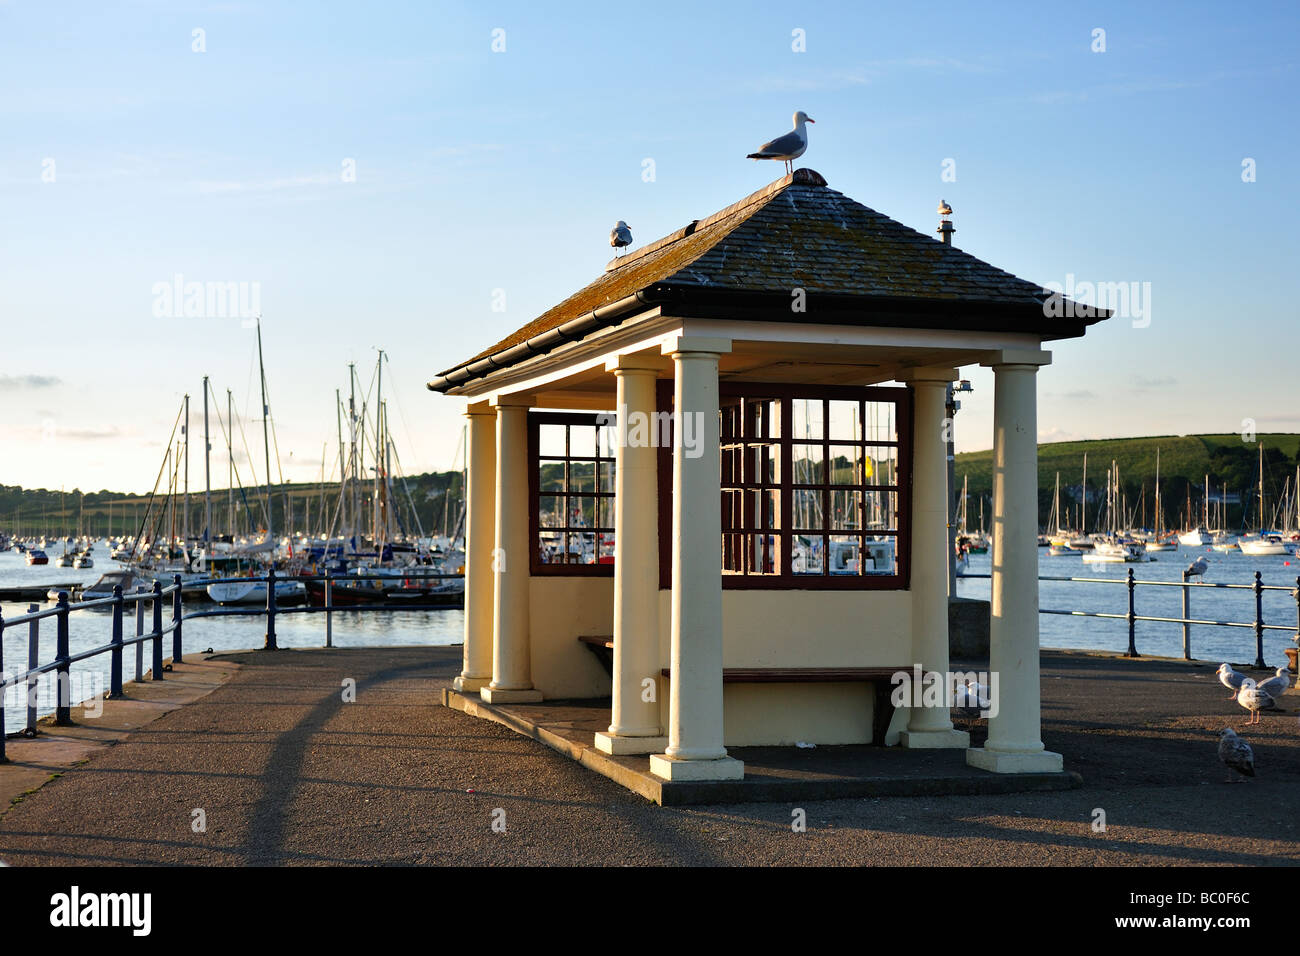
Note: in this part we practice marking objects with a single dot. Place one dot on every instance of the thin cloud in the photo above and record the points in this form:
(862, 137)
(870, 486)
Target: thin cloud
(9, 382)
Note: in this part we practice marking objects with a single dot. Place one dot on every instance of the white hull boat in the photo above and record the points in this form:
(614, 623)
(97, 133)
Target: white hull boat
(1199, 538)
(1264, 546)
(254, 592)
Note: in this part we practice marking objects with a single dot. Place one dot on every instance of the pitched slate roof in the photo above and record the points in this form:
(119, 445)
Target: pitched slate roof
(856, 265)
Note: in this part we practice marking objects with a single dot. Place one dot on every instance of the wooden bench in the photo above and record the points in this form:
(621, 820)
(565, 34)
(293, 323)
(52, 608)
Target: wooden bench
(879, 677)
(602, 645)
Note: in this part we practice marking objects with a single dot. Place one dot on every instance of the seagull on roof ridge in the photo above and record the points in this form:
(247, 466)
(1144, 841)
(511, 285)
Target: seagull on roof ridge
(620, 236)
(789, 147)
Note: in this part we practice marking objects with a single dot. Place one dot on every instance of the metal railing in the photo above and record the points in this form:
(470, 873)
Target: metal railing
(63, 659)
(1132, 617)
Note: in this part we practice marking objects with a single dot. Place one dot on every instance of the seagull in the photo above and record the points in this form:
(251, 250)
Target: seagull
(620, 236)
(944, 208)
(789, 147)
(1231, 679)
(1276, 686)
(1253, 699)
(1197, 567)
(971, 698)
(1236, 753)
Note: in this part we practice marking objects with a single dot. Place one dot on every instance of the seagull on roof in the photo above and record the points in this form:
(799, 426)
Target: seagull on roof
(789, 147)
(620, 236)
(1236, 753)
(944, 208)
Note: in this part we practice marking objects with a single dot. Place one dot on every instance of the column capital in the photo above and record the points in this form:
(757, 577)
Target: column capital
(696, 343)
(642, 362)
(524, 401)
(935, 374)
(1032, 357)
(479, 408)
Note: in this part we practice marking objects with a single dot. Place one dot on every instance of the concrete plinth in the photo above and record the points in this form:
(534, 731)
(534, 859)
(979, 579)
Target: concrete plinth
(725, 768)
(499, 695)
(1002, 761)
(621, 746)
(467, 684)
(934, 739)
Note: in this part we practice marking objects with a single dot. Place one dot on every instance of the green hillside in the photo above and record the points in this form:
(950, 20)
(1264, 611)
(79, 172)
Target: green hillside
(1185, 460)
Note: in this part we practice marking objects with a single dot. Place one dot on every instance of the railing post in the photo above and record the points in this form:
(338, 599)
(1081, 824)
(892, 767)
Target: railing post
(1132, 617)
(329, 608)
(33, 662)
(139, 632)
(63, 676)
(157, 631)
(1259, 621)
(177, 613)
(115, 665)
(1187, 613)
(3, 758)
(1296, 595)
(270, 644)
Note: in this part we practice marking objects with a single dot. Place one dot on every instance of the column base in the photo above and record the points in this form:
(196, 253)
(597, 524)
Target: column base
(469, 684)
(669, 768)
(617, 745)
(1004, 761)
(934, 739)
(497, 695)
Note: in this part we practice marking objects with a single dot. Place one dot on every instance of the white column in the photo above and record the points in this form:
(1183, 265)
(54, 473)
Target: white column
(930, 727)
(480, 539)
(634, 714)
(695, 750)
(512, 680)
(1015, 737)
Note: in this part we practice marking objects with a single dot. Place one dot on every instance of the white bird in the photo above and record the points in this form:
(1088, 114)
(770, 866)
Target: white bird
(1197, 567)
(1276, 685)
(1236, 753)
(1231, 679)
(789, 147)
(971, 697)
(944, 208)
(1253, 699)
(620, 236)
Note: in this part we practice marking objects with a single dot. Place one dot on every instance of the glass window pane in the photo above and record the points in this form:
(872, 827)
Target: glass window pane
(606, 475)
(806, 415)
(880, 510)
(845, 420)
(550, 476)
(582, 512)
(762, 418)
(550, 440)
(606, 439)
(806, 554)
(550, 511)
(807, 464)
(606, 512)
(847, 466)
(878, 555)
(846, 509)
(582, 476)
(880, 465)
(807, 509)
(844, 553)
(880, 424)
(762, 553)
(582, 441)
(606, 551)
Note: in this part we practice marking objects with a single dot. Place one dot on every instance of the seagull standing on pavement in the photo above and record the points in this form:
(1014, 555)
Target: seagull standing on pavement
(1253, 699)
(620, 236)
(789, 147)
(1230, 679)
(1236, 753)
(1276, 685)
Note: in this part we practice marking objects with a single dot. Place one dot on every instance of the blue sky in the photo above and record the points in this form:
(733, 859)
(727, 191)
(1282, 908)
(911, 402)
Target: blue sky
(477, 171)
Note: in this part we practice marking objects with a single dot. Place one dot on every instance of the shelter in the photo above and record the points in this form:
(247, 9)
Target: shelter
(700, 463)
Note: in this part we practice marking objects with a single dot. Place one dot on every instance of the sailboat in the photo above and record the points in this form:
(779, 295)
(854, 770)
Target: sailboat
(1160, 541)
(1058, 537)
(1114, 547)
(1266, 543)
(1200, 536)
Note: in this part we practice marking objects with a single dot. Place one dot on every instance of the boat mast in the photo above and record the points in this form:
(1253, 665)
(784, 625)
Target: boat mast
(1157, 502)
(207, 474)
(266, 441)
(1083, 512)
(378, 519)
(230, 466)
(185, 516)
(343, 476)
(352, 436)
(1261, 489)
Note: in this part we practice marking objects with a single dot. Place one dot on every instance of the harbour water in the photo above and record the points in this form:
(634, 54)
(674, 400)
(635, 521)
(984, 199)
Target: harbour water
(370, 628)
